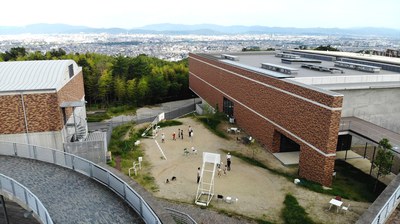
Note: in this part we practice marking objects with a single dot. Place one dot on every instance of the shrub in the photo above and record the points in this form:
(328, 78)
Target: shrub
(293, 213)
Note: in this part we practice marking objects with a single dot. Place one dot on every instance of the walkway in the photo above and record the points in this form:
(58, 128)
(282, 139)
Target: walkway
(68, 196)
(368, 130)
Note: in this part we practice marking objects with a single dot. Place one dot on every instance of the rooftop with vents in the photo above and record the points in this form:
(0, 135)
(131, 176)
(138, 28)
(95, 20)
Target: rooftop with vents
(339, 70)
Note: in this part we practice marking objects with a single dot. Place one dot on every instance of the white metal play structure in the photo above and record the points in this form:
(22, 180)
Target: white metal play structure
(153, 126)
(205, 188)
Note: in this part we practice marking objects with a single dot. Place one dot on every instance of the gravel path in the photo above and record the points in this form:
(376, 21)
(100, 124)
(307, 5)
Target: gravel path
(68, 196)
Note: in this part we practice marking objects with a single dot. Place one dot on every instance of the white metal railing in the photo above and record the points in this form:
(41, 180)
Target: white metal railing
(86, 168)
(388, 208)
(25, 196)
(383, 207)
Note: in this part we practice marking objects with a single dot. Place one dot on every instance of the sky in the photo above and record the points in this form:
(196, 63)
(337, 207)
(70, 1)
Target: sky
(132, 14)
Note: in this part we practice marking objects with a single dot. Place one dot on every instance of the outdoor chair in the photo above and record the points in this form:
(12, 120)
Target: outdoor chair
(220, 197)
(345, 209)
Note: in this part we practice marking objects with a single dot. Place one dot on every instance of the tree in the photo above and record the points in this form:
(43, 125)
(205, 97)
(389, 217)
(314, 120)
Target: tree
(14, 54)
(120, 88)
(326, 48)
(105, 83)
(383, 160)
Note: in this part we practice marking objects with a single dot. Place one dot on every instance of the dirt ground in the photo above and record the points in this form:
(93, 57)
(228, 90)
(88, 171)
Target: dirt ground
(260, 193)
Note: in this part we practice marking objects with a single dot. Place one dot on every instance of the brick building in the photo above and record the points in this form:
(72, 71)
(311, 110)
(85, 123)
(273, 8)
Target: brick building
(290, 101)
(42, 102)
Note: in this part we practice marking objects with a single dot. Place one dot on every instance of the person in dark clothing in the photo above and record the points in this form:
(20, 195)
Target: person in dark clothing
(198, 175)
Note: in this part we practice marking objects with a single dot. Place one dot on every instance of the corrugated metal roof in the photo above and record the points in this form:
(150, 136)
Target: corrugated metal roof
(35, 75)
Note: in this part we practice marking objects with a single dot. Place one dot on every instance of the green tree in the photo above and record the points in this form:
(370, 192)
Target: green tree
(383, 160)
(120, 88)
(37, 55)
(57, 53)
(326, 48)
(142, 91)
(131, 92)
(105, 84)
(14, 54)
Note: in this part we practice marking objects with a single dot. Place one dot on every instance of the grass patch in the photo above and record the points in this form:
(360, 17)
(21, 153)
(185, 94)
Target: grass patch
(110, 112)
(118, 146)
(123, 146)
(293, 213)
(362, 184)
(123, 109)
(257, 163)
(211, 122)
(97, 117)
(350, 182)
(168, 123)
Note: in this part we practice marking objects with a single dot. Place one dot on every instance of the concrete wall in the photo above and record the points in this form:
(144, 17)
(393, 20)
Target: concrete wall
(52, 140)
(378, 106)
(266, 107)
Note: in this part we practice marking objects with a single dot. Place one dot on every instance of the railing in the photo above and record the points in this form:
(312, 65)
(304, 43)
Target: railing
(180, 217)
(345, 125)
(25, 196)
(86, 168)
(384, 205)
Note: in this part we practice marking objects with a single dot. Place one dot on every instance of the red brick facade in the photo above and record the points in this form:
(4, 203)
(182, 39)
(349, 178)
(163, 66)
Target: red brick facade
(266, 106)
(43, 112)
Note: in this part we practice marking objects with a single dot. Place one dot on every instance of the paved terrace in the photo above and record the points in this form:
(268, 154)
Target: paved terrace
(69, 197)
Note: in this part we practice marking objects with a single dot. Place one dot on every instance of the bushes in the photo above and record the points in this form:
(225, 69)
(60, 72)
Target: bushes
(293, 213)
(169, 123)
(211, 122)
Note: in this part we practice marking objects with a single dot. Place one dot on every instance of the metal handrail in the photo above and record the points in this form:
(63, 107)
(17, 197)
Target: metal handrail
(17, 190)
(382, 208)
(181, 217)
(85, 167)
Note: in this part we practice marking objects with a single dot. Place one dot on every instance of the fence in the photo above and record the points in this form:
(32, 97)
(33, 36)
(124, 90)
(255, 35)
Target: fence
(180, 217)
(374, 136)
(25, 196)
(86, 168)
(384, 205)
(187, 109)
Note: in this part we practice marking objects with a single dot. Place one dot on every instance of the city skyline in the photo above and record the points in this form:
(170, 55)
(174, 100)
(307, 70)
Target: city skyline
(128, 15)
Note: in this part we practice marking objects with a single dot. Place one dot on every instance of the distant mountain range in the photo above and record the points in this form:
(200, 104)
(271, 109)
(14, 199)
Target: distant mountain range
(200, 29)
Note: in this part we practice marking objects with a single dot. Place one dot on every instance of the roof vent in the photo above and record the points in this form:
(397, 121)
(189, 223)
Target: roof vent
(359, 67)
(230, 57)
(285, 55)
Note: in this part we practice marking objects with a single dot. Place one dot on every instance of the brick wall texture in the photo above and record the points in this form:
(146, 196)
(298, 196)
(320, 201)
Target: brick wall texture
(276, 112)
(43, 112)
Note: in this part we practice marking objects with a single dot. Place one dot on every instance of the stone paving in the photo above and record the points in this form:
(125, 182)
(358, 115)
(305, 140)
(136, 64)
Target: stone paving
(69, 196)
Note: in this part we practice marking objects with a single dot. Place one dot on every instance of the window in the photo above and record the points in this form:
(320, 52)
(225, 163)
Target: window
(71, 70)
(228, 107)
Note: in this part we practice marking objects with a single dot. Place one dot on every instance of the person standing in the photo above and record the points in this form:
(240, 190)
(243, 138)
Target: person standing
(182, 134)
(198, 175)
(189, 130)
(191, 135)
(162, 138)
(228, 161)
(179, 133)
(173, 136)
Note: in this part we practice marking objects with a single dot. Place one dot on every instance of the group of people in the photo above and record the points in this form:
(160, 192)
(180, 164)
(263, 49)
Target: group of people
(180, 134)
(225, 168)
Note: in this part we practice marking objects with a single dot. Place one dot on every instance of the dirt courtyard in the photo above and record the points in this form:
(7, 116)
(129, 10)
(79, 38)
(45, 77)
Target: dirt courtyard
(260, 193)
